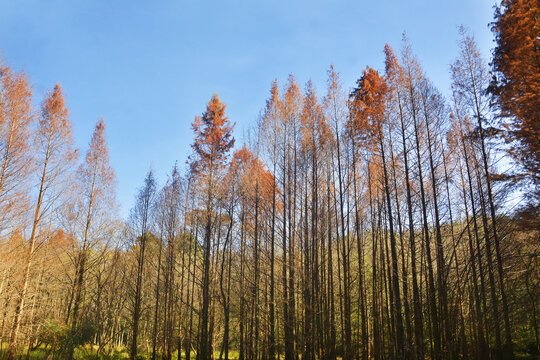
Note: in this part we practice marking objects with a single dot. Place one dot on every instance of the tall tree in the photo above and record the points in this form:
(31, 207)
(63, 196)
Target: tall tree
(516, 84)
(91, 213)
(54, 157)
(213, 140)
(470, 80)
(412, 78)
(271, 118)
(368, 105)
(140, 217)
(16, 117)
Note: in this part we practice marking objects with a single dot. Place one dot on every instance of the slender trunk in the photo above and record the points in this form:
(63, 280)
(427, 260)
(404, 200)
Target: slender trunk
(400, 343)
(431, 282)
(508, 351)
(418, 318)
(29, 256)
(156, 305)
(272, 321)
(79, 277)
(446, 335)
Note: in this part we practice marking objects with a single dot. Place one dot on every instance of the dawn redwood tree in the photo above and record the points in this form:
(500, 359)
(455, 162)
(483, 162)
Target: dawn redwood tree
(16, 118)
(140, 218)
(336, 114)
(313, 139)
(516, 85)
(413, 77)
(159, 220)
(470, 79)
(291, 106)
(171, 217)
(54, 157)
(457, 139)
(91, 212)
(270, 121)
(394, 74)
(368, 106)
(213, 141)
(232, 198)
(434, 114)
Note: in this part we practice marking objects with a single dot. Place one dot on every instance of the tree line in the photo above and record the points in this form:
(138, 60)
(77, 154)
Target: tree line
(369, 223)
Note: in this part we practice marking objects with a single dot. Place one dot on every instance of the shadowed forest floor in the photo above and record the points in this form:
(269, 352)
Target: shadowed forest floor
(118, 354)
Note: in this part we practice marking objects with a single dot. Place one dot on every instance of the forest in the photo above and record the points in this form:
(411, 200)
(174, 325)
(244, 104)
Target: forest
(380, 222)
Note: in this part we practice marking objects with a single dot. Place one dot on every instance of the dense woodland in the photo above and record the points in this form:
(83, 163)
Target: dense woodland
(380, 222)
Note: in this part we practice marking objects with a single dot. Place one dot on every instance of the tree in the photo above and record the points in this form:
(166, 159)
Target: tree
(295, 247)
(413, 78)
(470, 80)
(170, 217)
(140, 225)
(395, 77)
(271, 118)
(516, 84)
(368, 106)
(335, 104)
(213, 140)
(16, 117)
(53, 142)
(91, 212)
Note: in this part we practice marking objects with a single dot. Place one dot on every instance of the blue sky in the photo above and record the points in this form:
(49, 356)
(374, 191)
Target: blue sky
(148, 67)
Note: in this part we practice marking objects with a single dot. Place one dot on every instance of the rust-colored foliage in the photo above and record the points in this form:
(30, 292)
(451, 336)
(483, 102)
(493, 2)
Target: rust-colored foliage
(516, 61)
(272, 114)
(273, 103)
(213, 135)
(368, 105)
(16, 117)
(54, 138)
(392, 68)
(292, 102)
(96, 173)
(315, 130)
(249, 170)
(54, 115)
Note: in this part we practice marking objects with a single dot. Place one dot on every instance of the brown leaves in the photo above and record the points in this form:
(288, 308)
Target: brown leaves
(96, 173)
(367, 104)
(54, 137)
(314, 128)
(54, 113)
(250, 173)
(16, 117)
(392, 68)
(516, 61)
(213, 136)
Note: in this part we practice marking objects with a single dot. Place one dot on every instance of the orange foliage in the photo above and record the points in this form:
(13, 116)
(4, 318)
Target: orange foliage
(213, 135)
(16, 117)
(250, 171)
(392, 68)
(96, 173)
(516, 60)
(54, 138)
(315, 130)
(368, 105)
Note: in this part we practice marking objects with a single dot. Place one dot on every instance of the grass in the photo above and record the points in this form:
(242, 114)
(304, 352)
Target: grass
(90, 353)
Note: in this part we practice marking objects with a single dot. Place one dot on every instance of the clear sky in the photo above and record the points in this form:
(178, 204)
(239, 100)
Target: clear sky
(148, 67)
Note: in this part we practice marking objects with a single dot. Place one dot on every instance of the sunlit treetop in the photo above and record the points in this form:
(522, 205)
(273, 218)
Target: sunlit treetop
(391, 65)
(368, 104)
(315, 130)
(251, 174)
(212, 136)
